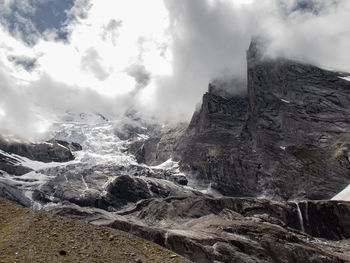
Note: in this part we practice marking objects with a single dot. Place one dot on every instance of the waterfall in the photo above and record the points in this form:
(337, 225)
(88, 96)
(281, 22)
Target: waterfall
(300, 216)
(307, 214)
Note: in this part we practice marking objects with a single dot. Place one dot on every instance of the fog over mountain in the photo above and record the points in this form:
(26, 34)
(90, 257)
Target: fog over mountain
(156, 56)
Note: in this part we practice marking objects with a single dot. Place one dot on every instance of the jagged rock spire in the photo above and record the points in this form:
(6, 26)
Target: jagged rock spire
(256, 50)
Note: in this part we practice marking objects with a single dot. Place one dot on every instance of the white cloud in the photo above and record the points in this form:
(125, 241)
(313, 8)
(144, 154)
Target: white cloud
(91, 72)
(159, 55)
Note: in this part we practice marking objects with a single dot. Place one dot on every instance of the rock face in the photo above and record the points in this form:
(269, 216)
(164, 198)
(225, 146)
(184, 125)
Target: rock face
(286, 139)
(55, 151)
(108, 188)
(14, 194)
(233, 229)
(160, 147)
(327, 219)
(12, 166)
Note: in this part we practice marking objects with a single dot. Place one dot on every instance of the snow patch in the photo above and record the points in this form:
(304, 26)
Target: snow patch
(285, 101)
(344, 195)
(345, 78)
(167, 165)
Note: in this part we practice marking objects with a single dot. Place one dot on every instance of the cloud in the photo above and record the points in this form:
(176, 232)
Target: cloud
(91, 62)
(29, 112)
(26, 62)
(156, 57)
(110, 31)
(86, 72)
(209, 40)
(140, 74)
(316, 33)
(17, 115)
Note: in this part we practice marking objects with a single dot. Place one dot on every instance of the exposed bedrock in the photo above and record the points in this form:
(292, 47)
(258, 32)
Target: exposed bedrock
(233, 229)
(52, 151)
(286, 138)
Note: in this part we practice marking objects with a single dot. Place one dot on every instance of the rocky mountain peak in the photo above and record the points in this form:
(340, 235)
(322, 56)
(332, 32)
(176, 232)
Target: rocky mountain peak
(255, 51)
(285, 139)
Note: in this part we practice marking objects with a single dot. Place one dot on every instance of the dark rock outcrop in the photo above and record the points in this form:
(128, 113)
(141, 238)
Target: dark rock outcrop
(12, 166)
(160, 147)
(43, 152)
(232, 229)
(111, 189)
(286, 139)
(239, 230)
(73, 146)
(14, 194)
(327, 219)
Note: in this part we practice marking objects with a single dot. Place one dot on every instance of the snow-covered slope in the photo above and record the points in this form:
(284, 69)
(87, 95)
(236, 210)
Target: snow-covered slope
(344, 195)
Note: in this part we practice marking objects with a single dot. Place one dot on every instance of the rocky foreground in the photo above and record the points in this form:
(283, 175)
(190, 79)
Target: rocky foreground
(234, 229)
(34, 236)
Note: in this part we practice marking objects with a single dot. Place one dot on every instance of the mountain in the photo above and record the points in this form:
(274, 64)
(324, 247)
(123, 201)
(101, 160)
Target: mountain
(286, 138)
(242, 182)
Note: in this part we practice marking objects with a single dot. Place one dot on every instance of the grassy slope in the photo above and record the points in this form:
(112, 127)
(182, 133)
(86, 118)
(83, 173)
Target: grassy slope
(35, 236)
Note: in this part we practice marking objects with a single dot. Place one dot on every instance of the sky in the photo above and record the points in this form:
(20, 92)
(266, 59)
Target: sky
(154, 57)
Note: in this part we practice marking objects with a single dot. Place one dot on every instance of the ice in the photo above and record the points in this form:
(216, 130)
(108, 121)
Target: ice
(100, 144)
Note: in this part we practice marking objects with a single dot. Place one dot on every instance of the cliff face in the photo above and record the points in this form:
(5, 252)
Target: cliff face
(287, 138)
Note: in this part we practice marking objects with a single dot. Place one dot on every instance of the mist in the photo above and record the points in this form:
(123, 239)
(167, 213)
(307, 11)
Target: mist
(167, 72)
(209, 40)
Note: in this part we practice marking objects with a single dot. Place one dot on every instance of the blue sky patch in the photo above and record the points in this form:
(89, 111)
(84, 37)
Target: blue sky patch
(41, 15)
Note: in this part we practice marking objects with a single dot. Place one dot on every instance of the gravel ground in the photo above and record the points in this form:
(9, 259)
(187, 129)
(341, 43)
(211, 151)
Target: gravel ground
(35, 236)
